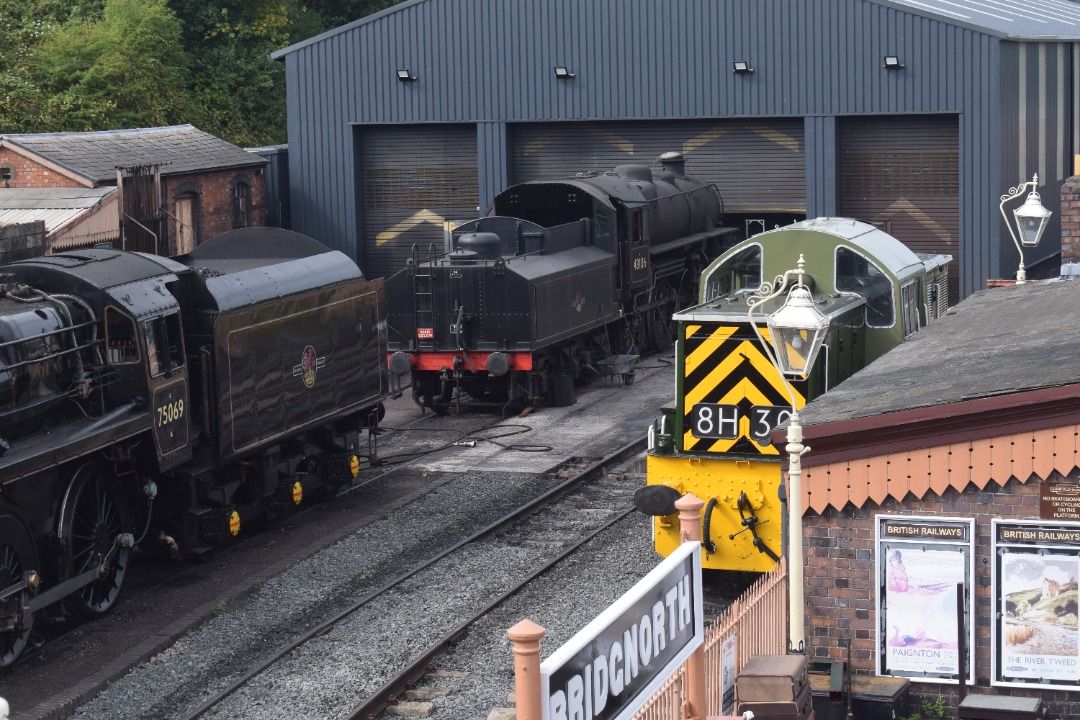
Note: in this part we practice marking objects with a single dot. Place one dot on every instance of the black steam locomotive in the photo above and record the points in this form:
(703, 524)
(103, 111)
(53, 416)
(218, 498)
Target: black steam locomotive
(559, 279)
(154, 401)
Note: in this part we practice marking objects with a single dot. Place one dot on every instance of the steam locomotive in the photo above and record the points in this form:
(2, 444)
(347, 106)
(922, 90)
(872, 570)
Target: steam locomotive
(152, 401)
(560, 279)
(715, 441)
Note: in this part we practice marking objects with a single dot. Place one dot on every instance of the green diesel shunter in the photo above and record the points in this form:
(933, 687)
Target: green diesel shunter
(715, 440)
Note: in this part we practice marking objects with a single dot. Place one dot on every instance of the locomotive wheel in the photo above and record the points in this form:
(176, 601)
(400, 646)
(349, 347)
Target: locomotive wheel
(16, 557)
(94, 515)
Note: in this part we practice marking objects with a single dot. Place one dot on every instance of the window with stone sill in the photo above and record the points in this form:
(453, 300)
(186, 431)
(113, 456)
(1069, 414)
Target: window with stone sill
(241, 196)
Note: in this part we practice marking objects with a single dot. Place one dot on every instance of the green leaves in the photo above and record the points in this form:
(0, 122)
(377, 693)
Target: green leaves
(75, 65)
(126, 68)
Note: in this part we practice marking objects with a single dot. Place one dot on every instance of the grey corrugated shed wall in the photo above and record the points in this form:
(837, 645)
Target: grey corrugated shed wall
(275, 184)
(490, 62)
(1038, 115)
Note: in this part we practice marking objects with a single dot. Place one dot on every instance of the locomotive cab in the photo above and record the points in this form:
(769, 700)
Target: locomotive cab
(715, 441)
(145, 346)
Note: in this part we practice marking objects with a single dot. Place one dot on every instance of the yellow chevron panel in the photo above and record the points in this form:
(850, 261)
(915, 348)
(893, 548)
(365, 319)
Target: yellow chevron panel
(726, 366)
(707, 347)
(760, 387)
(743, 389)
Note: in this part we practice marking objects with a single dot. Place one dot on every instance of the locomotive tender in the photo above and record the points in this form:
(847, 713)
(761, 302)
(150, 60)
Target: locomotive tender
(560, 277)
(715, 441)
(148, 400)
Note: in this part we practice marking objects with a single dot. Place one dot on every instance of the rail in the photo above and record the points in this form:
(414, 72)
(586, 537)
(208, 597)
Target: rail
(415, 668)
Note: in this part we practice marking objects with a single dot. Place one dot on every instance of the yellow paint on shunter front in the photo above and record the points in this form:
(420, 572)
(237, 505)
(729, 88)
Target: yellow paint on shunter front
(707, 348)
(726, 480)
(726, 358)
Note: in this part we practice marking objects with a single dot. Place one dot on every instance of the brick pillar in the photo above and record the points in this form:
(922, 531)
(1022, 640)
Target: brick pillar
(526, 636)
(689, 507)
(1070, 222)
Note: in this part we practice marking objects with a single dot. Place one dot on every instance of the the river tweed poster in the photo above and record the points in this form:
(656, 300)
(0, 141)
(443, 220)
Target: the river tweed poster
(922, 564)
(1036, 639)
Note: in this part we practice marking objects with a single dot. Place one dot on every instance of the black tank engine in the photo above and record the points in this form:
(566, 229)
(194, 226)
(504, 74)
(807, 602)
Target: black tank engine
(559, 278)
(147, 401)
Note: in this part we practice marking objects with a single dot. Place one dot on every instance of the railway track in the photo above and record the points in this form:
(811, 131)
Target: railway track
(163, 655)
(536, 536)
(56, 661)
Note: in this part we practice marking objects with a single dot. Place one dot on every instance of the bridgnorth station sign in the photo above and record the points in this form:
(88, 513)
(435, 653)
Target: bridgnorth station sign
(619, 660)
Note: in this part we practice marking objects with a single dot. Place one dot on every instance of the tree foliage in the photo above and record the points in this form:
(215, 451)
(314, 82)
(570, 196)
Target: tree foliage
(71, 65)
(126, 69)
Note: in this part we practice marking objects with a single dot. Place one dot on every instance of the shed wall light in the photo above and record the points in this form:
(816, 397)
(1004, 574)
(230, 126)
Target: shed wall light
(892, 62)
(741, 67)
(562, 73)
(405, 75)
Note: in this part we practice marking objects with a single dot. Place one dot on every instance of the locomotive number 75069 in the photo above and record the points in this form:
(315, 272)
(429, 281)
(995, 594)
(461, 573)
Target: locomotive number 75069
(170, 412)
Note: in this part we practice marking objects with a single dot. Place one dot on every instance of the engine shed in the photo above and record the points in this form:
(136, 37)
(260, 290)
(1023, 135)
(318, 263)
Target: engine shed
(913, 115)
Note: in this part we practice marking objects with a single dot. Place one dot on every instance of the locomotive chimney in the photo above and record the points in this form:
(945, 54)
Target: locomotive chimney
(485, 245)
(674, 163)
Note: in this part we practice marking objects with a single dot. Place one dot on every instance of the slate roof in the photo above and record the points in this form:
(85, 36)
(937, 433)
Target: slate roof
(1012, 19)
(996, 342)
(180, 149)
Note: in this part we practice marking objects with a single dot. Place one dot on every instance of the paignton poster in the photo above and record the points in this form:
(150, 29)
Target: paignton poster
(922, 565)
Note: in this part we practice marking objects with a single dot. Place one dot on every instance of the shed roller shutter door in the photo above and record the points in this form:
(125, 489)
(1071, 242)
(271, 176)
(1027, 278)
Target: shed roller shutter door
(903, 175)
(414, 178)
(758, 165)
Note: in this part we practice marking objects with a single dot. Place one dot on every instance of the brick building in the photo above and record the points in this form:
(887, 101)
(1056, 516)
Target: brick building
(1070, 226)
(953, 461)
(177, 185)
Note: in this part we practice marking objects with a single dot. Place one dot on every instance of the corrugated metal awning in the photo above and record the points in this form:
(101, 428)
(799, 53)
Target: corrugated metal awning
(73, 217)
(55, 206)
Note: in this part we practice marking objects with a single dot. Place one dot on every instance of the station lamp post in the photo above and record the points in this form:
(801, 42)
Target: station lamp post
(798, 330)
(1031, 219)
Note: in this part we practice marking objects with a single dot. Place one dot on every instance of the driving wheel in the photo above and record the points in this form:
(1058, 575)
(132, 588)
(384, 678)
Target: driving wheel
(16, 558)
(94, 514)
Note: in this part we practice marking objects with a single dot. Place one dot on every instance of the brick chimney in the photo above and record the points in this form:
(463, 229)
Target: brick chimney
(1070, 227)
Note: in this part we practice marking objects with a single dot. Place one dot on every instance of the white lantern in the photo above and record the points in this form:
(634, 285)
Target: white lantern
(1031, 219)
(798, 330)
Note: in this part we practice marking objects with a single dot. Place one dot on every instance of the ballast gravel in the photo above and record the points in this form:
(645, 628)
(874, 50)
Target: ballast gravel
(476, 679)
(562, 601)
